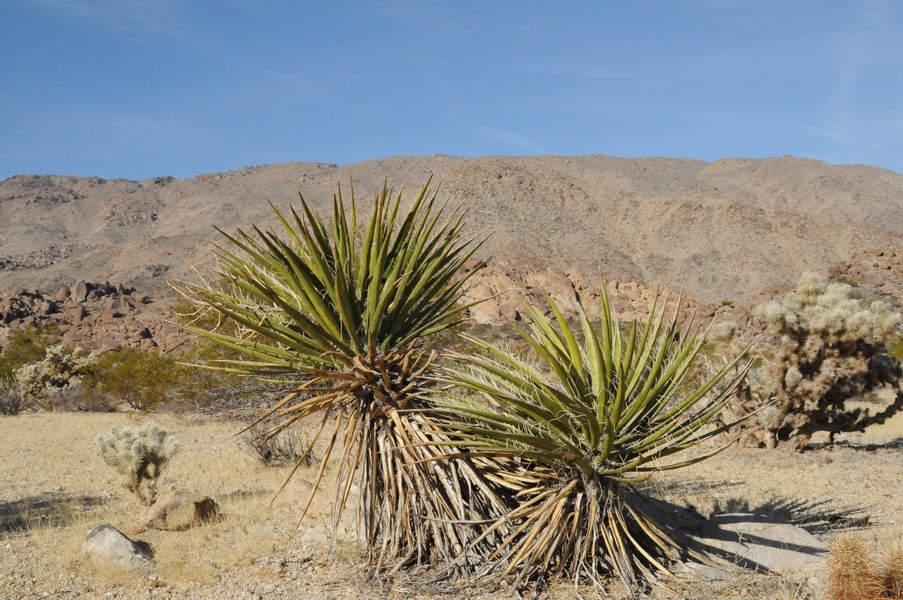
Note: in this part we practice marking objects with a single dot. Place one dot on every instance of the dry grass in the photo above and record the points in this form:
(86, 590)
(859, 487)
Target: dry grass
(859, 571)
(53, 490)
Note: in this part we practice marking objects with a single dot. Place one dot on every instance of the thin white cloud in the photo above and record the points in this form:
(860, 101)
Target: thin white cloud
(574, 71)
(158, 18)
(510, 138)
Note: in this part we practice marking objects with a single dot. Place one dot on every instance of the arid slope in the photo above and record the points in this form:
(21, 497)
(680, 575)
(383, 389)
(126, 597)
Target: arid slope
(719, 230)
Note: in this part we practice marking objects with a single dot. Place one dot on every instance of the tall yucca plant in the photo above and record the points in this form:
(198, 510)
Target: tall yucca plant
(345, 310)
(579, 425)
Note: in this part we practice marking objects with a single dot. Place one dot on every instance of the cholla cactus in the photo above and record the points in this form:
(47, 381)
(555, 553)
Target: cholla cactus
(831, 351)
(140, 456)
(829, 311)
(61, 368)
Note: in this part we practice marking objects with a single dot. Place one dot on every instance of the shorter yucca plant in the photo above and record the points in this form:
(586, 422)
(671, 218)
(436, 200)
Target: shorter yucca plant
(577, 426)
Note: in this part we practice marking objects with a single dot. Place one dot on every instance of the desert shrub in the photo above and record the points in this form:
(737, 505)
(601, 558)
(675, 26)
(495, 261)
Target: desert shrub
(890, 570)
(288, 447)
(579, 423)
(348, 311)
(847, 280)
(12, 399)
(61, 369)
(143, 380)
(138, 455)
(205, 387)
(27, 346)
(830, 349)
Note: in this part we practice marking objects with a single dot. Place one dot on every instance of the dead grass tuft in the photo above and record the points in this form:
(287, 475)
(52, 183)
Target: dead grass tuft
(890, 575)
(858, 573)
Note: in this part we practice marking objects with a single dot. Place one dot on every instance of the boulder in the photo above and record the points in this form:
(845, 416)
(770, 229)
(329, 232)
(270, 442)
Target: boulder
(80, 291)
(762, 543)
(509, 312)
(107, 546)
(758, 542)
(63, 294)
(107, 344)
(562, 291)
(74, 313)
(178, 511)
(486, 313)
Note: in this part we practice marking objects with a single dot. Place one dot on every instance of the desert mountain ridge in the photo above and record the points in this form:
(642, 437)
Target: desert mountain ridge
(720, 230)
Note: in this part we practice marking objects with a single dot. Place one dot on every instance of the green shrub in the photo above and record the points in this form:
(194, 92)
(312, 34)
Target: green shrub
(140, 456)
(27, 347)
(143, 380)
(846, 279)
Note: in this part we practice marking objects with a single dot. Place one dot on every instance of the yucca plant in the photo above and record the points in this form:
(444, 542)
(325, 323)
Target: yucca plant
(345, 311)
(577, 426)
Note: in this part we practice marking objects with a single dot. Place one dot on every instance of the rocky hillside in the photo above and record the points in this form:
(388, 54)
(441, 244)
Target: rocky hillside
(96, 316)
(101, 316)
(719, 231)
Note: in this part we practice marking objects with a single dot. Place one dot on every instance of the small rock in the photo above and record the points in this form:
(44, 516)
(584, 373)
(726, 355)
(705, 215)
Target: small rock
(106, 545)
(178, 511)
(509, 312)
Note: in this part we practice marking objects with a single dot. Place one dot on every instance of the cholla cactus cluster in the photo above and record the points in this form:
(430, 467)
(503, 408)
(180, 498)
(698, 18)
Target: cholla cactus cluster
(831, 350)
(61, 368)
(139, 455)
(828, 310)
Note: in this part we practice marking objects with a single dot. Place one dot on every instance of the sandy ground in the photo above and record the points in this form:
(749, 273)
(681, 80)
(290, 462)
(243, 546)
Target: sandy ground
(53, 491)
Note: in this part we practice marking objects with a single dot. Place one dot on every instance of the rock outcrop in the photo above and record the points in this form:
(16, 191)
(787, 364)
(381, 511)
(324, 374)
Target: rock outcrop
(102, 317)
(95, 316)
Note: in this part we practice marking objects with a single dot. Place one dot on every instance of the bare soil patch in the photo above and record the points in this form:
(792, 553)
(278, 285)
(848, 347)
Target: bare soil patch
(53, 490)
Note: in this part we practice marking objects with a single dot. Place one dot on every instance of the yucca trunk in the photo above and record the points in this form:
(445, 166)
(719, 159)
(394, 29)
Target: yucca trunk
(579, 530)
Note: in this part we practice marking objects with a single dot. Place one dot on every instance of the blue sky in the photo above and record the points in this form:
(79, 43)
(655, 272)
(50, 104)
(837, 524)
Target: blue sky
(137, 89)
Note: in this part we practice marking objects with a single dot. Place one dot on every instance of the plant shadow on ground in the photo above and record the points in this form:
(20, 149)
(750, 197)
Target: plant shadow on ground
(817, 517)
(50, 509)
(240, 495)
(895, 444)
